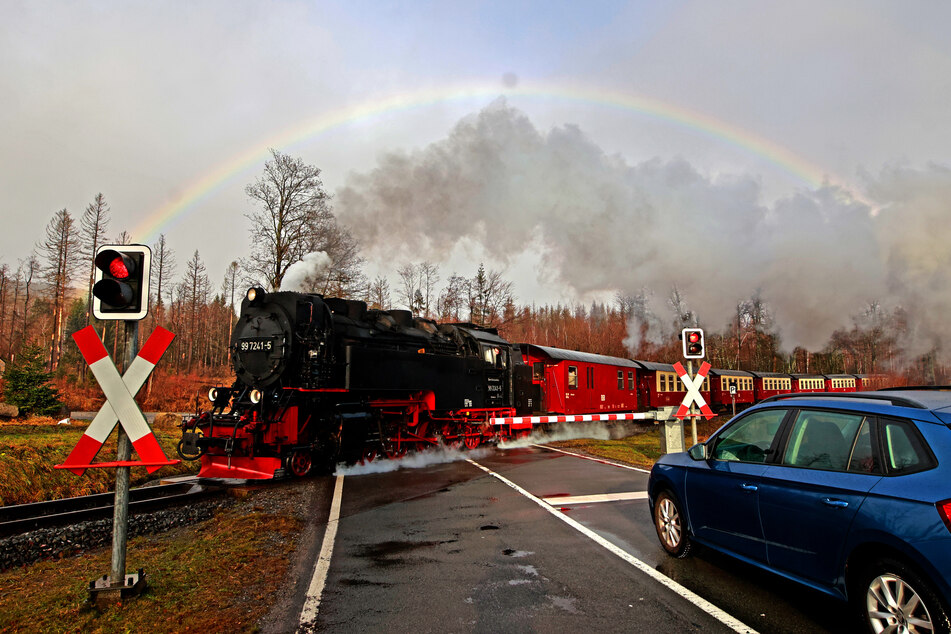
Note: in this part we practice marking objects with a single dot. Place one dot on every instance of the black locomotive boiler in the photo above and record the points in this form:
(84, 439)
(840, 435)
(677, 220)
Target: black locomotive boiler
(320, 380)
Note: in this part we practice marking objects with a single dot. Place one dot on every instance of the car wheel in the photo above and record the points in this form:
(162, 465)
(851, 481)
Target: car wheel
(671, 525)
(894, 598)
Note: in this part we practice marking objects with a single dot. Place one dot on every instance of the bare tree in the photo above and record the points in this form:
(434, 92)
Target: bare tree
(293, 207)
(452, 300)
(92, 233)
(61, 248)
(31, 269)
(124, 238)
(379, 293)
(489, 295)
(409, 284)
(193, 292)
(428, 276)
(163, 258)
(4, 289)
(228, 287)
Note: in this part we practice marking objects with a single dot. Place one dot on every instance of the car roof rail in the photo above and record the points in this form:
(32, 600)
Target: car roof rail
(922, 388)
(900, 401)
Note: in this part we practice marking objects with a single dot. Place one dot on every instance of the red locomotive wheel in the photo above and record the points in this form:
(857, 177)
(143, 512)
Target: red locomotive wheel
(369, 455)
(473, 440)
(300, 462)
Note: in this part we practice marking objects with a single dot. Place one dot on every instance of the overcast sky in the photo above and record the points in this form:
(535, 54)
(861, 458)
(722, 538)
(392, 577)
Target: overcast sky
(168, 108)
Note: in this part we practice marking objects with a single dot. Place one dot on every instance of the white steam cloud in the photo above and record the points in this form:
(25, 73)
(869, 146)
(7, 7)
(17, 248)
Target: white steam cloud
(573, 431)
(308, 268)
(817, 257)
(417, 460)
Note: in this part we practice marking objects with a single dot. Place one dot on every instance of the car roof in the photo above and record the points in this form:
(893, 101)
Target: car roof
(933, 398)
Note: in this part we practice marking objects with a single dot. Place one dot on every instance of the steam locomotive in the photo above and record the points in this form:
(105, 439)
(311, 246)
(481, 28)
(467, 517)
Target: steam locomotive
(325, 379)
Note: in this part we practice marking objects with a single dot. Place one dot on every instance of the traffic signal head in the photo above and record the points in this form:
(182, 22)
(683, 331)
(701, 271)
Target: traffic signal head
(122, 282)
(692, 339)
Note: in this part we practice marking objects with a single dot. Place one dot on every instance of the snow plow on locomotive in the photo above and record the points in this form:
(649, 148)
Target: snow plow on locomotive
(320, 380)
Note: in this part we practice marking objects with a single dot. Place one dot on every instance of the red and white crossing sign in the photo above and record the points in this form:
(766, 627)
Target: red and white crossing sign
(120, 405)
(693, 391)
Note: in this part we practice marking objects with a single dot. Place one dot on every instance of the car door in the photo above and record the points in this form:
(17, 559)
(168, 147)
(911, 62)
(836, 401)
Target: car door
(808, 499)
(722, 492)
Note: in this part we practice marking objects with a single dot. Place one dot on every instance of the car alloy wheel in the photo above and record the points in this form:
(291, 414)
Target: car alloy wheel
(668, 520)
(895, 598)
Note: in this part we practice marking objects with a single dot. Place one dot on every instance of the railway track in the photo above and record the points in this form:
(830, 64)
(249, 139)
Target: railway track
(21, 518)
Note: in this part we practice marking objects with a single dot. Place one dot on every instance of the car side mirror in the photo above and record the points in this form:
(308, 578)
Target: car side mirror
(698, 451)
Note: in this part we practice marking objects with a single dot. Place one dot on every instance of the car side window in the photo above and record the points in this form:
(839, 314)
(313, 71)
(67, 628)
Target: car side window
(749, 439)
(905, 451)
(823, 440)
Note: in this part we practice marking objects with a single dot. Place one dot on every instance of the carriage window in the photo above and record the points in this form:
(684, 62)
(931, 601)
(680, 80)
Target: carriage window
(620, 380)
(630, 380)
(538, 371)
(572, 376)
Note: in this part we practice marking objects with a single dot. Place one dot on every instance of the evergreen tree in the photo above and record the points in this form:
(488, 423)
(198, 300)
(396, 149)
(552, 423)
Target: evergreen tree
(27, 384)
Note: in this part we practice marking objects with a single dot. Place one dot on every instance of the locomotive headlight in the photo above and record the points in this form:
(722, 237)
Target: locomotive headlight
(256, 396)
(212, 394)
(255, 295)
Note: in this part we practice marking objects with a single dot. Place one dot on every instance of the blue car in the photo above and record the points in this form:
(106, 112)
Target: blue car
(849, 494)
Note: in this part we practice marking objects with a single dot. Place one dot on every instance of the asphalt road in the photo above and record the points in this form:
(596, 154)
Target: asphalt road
(479, 547)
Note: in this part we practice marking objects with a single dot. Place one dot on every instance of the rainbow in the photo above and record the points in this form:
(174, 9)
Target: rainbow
(205, 186)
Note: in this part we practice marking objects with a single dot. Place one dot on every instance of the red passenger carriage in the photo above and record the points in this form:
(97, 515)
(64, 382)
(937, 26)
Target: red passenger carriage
(658, 385)
(571, 382)
(766, 384)
(840, 383)
(808, 383)
(720, 381)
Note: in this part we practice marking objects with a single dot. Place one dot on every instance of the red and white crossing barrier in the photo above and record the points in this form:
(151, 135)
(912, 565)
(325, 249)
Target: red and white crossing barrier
(120, 405)
(520, 422)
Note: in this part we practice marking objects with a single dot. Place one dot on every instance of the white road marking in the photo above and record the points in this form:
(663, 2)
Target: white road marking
(602, 461)
(308, 614)
(725, 618)
(601, 497)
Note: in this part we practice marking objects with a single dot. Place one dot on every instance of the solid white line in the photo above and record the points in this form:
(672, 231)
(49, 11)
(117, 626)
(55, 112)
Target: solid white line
(601, 460)
(600, 497)
(308, 614)
(664, 580)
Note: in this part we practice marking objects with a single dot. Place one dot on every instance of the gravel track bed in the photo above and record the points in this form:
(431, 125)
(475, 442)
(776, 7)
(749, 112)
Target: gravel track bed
(62, 541)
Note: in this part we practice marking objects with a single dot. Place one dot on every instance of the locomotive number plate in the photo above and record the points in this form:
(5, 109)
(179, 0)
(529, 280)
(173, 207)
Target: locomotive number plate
(256, 345)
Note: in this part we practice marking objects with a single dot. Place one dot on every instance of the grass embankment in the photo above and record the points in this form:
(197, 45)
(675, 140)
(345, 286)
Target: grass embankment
(29, 450)
(640, 450)
(218, 575)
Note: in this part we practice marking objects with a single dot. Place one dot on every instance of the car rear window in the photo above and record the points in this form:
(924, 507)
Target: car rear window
(905, 450)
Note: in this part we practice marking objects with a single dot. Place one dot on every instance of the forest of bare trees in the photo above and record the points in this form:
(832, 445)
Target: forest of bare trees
(45, 297)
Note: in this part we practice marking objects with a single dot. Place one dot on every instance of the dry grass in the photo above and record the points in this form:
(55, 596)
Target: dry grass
(640, 450)
(30, 449)
(217, 575)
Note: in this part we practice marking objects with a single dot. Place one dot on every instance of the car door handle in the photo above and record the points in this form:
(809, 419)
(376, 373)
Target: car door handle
(749, 487)
(839, 504)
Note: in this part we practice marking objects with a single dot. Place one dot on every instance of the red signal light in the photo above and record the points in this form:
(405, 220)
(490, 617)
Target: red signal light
(692, 339)
(121, 290)
(118, 269)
